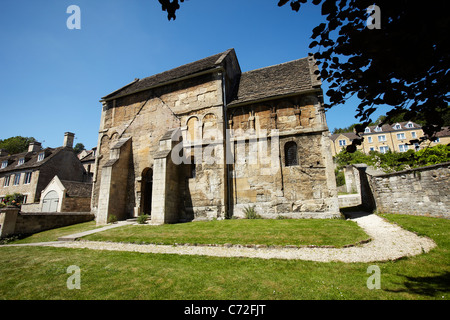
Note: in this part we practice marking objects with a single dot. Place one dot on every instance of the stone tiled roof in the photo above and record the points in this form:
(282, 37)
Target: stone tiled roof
(390, 127)
(349, 135)
(170, 75)
(445, 132)
(287, 78)
(75, 189)
(31, 159)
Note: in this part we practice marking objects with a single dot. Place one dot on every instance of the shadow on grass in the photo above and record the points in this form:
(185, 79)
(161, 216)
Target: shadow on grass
(426, 286)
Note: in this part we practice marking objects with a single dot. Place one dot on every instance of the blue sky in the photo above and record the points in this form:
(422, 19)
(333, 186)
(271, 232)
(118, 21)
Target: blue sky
(52, 78)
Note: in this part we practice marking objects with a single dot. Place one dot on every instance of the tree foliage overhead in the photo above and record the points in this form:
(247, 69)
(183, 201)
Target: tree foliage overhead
(170, 6)
(404, 63)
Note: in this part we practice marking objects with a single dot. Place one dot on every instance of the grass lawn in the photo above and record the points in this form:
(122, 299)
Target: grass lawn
(54, 234)
(334, 232)
(40, 273)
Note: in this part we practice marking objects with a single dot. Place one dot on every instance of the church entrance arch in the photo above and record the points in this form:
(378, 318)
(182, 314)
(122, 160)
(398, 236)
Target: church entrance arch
(147, 186)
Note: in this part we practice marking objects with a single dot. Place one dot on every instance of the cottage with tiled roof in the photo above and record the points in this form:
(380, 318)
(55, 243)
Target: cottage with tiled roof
(30, 172)
(205, 141)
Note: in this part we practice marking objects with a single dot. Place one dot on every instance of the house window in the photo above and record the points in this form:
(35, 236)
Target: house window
(27, 179)
(414, 134)
(25, 197)
(384, 149)
(367, 130)
(410, 125)
(290, 154)
(21, 161)
(397, 126)
(378, 129)
(382, 138)
(16, 179)
(403, 147)
(41, 156)
(369, 139)
(6, 181)
(400, 136)
(342, 143)
(4, 164)
(372, 148)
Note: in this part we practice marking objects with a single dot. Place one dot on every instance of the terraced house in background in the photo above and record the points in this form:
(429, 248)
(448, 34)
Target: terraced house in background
(30, 172)
(210, 110)
(386, 138)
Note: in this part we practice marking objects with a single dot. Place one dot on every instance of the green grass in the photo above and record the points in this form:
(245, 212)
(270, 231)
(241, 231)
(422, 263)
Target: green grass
(40, 273)
(54, 234)
(243, 231)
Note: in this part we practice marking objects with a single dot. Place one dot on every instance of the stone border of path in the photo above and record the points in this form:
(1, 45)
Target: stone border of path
(389, 242)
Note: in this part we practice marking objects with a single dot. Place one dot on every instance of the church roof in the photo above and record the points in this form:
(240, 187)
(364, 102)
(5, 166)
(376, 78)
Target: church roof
(204, 64)
(287, 78)
(270, 82)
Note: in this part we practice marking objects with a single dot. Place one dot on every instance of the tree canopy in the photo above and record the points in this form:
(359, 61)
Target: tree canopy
(16, 144)
(395, 53)
(395, 161)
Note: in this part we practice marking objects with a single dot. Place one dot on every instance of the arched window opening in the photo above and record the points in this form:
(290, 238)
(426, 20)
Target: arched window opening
(192, 126)
(290, 154)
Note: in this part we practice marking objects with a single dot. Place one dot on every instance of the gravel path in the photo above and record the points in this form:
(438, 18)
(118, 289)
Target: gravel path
(389, 242)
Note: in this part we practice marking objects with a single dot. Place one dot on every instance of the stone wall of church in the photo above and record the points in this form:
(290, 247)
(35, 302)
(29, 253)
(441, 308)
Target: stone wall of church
(260, 174)
(145, 117)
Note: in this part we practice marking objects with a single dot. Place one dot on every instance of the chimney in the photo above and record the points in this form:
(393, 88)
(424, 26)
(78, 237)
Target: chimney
(68, 139)
(34, 146)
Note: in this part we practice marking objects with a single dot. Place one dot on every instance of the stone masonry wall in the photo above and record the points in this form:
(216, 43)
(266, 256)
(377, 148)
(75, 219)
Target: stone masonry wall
(421, 191)
(146, 117)
(260, 177)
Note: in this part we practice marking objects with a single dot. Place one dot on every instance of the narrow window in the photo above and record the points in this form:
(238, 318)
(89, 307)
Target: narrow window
(6, 181)
(21, 161)
(16, 179)
(290, 154)
(342, 142)
(4, 164)
(41, 156)
(27, 179)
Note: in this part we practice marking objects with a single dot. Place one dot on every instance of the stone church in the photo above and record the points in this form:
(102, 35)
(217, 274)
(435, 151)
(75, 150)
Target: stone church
(205, 141)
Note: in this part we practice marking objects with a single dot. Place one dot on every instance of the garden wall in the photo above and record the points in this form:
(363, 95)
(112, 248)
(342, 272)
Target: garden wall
(419, 191)
(13, 222)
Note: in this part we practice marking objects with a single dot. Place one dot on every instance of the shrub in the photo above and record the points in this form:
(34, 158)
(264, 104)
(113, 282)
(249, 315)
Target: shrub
(340, 177)
(142, 219)
(250, 213)
(112, 219)
(15, 199)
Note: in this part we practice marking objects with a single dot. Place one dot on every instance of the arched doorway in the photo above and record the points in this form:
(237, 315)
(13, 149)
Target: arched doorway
(50, 202)
(147, 186)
